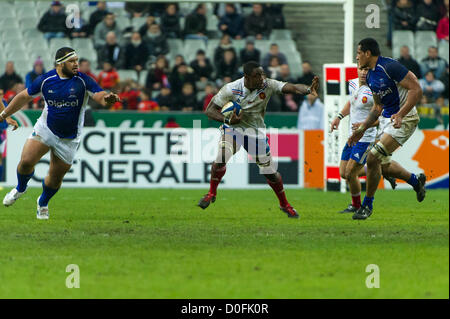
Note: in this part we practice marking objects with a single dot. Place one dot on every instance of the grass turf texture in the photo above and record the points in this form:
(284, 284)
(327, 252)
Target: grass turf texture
(158, 244)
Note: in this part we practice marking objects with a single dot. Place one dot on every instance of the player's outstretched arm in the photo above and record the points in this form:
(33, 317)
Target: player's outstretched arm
(410, 83)
(106, 99)
(16, 104)
(213, 112)
(301, 88)
(343, 113)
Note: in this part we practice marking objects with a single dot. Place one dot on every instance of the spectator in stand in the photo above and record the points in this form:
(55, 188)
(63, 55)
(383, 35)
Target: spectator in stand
(232, 23)
(444, 80)
(108, 77)
(84, 66)
(146, 104)
(404, 15)
(258, 24)
(442, 29)
(433, 62)
(250, 53)
(13, 91)
(225, 44)
(97, 16)
(220, 9)
(195, 24)
(156, 41)
(10, 77)
(80, 30)
(165, 99)
(427, 16)
(210, 91)
(108, 24)
(178, 60)
(53, 22)
(227, 69)
(307, 75)
(111, 52)
(188, 99)
(38, 69)
(170, 22)
(137, 9)
(310, 116)
(136, 53)
(157, 76)
(407, 60)
(144, 28)
(202, 67)
(171, 123)
(288, 103)
(431, 87)
(275, 13)
(273, 51)
(274, 68)
(129, 96)
(182, 75)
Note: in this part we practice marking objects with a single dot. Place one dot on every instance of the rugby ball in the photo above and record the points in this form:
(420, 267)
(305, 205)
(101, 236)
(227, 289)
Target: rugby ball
(229, 107)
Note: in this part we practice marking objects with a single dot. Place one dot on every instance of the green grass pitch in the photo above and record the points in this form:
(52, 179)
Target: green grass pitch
(159, 244)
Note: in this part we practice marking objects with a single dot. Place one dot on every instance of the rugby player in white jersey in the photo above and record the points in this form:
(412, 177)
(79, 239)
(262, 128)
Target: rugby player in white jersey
(65, 91)
(353, 158)
(252, 92)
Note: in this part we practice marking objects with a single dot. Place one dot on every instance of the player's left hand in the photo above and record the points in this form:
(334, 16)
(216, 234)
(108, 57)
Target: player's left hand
(111, 98)
(13, 123)
(397, 120)
(356, 136)
(315, 86)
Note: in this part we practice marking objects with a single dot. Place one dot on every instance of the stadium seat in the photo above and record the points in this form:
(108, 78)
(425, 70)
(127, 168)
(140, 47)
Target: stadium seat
(280, 34)
(295, 64)
(175, 45)
(11, 36)
(212, 26)
(33, 34)
(25, 11)
(263, 46)
(123, 22)
(44, 53)
(182, 20)
(28, 23)
(401, 38)
(424, 40)
(82, 43)
(443, 50)
(286, 45)
(7, 10)
(57, 43)
(191, 46)
(137, 22)
(127, 74)
(238, 45)
(143, 77)
(13, 53)
(87, 53)
(8, 22)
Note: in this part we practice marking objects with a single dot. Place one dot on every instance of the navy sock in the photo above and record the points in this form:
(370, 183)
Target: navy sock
(47, 193)
(23, 181)
(413, 181)
(368, 201)
(1, 172)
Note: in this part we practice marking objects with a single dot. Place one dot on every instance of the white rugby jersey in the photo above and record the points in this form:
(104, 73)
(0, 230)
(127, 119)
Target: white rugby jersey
(361, 102)
(253, 103)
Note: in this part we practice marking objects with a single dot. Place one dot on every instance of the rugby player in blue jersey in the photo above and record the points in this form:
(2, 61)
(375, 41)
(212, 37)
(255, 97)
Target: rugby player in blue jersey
(396, 91)
(65, 91)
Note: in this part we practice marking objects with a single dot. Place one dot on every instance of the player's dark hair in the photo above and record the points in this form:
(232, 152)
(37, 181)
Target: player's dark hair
(62, 52)
(370, 44)
(250, 66)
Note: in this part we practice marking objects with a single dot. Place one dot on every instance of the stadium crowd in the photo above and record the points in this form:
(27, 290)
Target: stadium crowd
(186, 85)
(426, 17)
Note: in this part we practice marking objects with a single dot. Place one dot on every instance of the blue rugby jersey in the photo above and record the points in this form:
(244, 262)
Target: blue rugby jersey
(64, 101)
(384, 80)
(3, 124)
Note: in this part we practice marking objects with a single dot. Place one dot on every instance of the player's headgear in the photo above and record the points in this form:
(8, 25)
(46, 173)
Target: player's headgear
(63, 54)
(370, 44)
(250, 66)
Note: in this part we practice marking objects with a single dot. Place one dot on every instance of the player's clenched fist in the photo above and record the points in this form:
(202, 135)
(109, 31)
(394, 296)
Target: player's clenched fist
(111, 98)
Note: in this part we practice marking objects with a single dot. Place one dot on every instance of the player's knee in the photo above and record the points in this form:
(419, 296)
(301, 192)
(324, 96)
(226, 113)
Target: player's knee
(26, 164)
